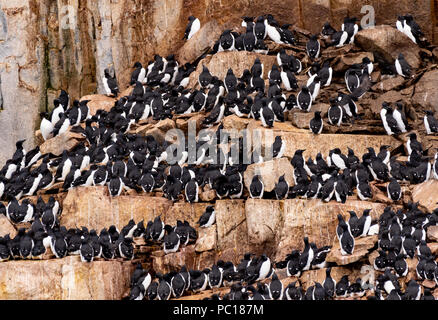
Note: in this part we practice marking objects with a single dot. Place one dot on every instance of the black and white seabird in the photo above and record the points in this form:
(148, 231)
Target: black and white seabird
(208, 218)
(313, 47)
(192, 27)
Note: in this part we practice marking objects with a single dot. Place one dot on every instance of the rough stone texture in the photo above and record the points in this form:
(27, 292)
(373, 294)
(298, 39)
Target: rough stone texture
(75, 40)
(22, 76)
(317, 220)
(99, 101)
(174, 261)
(309, 277)
(219, 64)
(361, 249)
(184, 211)
(432, 233)
(6, 227)
(426, 194)
(304, 139)
(263, 219)
(206, 239)
(64, 279)
(66, 141)
(270, 172)
(234, 122)
(425, 95)
(342, 62)
(388, 42)
(389, 84)
(94, 208)
(232, 231)
(202, 41)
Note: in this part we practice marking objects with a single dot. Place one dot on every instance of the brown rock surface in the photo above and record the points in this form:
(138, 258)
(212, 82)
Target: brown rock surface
(361, 249)
(432, 233)
(99, 101)
(388, 42)
(308, 278)
(58, 144)
(6, 227)
(426, 194)
(174, 261)
(232, 231)
(263, 220)
(64, 279)
(270, 172)
(207, 239)
(343, 62)
(389, 84)
(316, 220)
(425, 93)
(325, 142)
(94, 208)
(202, 41)
(219, 64)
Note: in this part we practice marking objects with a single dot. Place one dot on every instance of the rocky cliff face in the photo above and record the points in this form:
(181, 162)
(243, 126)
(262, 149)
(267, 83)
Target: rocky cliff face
(42, 51)
(48, 45)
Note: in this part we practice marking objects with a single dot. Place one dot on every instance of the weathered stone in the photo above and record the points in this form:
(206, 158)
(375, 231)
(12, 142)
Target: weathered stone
(304, 139)
(206, 259)
(165, 125)
(232, 231)
(99, 101)
(64, 279)
(361, 249)
(6, 227)
(66, 141)
(207, 194)
(22, 74)
(308, 278)
(344, 61)
(234, 122)
(94, 208)
(183, 123)
(263, 220)
(388, 42)
(316, 220)
(433, 247)
(375, 105)
(219, 64)
(174, 261)
(270, 172)
(426, 194)
(206, 239)
(302, 119)
(428, 284)
(190, 212)
(203, 40)
(425, 95)
(389, 84)
(432, 233)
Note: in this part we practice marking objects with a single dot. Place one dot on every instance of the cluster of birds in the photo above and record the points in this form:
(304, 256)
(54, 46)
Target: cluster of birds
(175, 284)
(112, 156)
(271, 107)
(63, 116)
(395, 122)
(255, 34)
(401, 235)
(46, 232)
(337, 176)
(123, 161)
